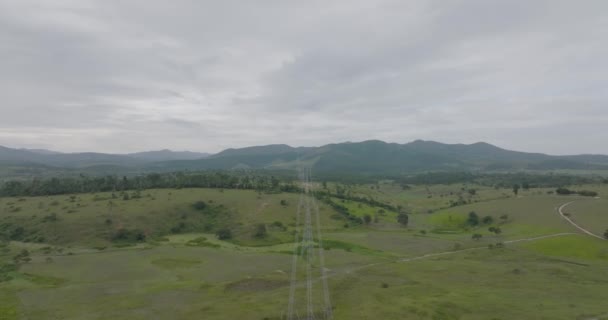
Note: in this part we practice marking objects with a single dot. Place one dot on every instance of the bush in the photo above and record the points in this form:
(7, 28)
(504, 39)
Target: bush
(403, 219)
(224, 234)
(260, 231)
(564, 191)
(129, 235)
(200, 205)
(587, 193)
(279, 225)
(50, 218)
(487, 220)
(17, 234)
(473, 219)
(496, 230)
(180, 227)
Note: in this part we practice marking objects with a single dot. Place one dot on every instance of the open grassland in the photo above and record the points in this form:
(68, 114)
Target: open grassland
(377, 271)
(171, 281)
(591, 214)
(429, 198)
(92, 219)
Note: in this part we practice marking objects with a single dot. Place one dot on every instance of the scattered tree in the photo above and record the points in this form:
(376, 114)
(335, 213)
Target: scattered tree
(50, 218)
(496, 230)
(129, 235)
(476, 236)
(284, 202)
(587, 193)
(260, 231)
(403, 219)
(473, 219)
(606, 234)
(367, 219)
(200, 205)
(487, 220)
(515, 189)
(564, 191)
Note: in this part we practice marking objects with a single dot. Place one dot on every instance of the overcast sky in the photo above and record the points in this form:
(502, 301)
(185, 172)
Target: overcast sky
(123, 75)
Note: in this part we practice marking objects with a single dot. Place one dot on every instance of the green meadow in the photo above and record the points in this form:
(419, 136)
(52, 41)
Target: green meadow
(156, 255)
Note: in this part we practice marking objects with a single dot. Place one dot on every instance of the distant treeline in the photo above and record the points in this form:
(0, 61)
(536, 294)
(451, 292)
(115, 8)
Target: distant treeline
(584, 193)
(500, 180)
(86, 184)
(269, 181)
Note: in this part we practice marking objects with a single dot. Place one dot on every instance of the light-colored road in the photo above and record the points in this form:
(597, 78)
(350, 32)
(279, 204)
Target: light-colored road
(561, 213)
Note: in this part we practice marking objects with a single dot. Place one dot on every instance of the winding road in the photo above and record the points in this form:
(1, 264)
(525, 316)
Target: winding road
(563, 215)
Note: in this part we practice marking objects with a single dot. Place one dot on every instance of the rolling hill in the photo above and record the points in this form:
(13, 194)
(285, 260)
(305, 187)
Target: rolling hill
(367, 158)
(378, 157)
(88, 159)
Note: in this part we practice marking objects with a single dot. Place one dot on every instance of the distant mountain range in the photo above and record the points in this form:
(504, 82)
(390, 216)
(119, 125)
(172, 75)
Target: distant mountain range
(88, 159)
(367, 157)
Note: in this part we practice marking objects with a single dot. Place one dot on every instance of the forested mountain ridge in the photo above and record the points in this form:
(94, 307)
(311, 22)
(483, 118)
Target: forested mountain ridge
(378, 157)
(87, 159)
(367, 157)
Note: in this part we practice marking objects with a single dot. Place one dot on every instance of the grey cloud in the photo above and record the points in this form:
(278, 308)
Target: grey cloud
(121, 76)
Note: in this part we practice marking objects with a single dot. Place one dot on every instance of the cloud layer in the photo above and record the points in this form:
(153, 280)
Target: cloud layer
(123, 76)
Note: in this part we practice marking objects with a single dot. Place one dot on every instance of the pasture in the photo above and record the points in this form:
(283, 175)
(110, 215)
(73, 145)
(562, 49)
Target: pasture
(381, 270)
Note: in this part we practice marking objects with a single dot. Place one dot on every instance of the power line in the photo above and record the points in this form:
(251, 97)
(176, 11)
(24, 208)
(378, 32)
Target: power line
(305, 246)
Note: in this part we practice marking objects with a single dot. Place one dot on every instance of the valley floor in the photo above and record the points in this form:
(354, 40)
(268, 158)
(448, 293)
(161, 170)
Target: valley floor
(538, 267)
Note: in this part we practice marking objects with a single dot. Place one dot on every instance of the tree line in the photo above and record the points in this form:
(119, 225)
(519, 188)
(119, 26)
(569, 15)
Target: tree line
(91, 184)
(500, 180)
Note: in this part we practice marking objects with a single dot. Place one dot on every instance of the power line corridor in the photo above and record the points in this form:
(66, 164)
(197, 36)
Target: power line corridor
(315, 304)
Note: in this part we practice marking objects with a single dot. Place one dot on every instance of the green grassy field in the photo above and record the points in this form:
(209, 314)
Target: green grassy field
(591, 214)
(378, 271)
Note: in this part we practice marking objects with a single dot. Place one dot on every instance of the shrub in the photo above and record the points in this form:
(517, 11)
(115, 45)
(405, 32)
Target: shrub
(224, 234)
(260, 231)
(200, 205)
(129, 235)
(403, 219)
(473, 219)
(587, 193)
(180, 227)
(50, 218)
(564, 191)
